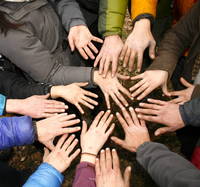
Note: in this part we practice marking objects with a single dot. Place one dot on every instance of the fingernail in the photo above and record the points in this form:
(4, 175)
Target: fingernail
(131, 108)
(66, 107)
(114, 150)
(137, 109)
(126, 105)
(78, 128)
(117, 113)
(102, 151)
(123, 108)
(107, 149)
(132, 98)
(73, 115)
(129, 168)
(62, 110)
(76, 140)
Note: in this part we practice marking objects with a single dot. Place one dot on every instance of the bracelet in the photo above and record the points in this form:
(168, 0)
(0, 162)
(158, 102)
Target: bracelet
(91, 154)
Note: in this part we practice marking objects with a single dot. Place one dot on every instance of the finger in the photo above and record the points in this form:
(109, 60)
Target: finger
(88, 52)
(61, 141)
(114, 66)
(139, 60)
(97, 119)
(108, 159)
(48, 115)
(150, 106)
(101, 64)
(85, 103)
(107, 100)
(46, 153)
(79, 108)
(91, 46)
(83, 53)
(118, 141)
(165, 90)
(157, 102)
(110, 130)
(121, 98)
(177, 100)
(81, 84)
(104, 118)
(140, 90)
(70, 123)
(122, 121)
(136, 86)
(98, 58)
(185, 83)
(127, 176)
(145, 93)
(162, 130)
(116, 100)
(53, 110)
(176, 93)
(140, 76)
(146, 111)
(142, 122)
(148, 118)
(96, 39)
(131, 61)
(87, 99)
(53, 102)
(152, 49)
(71, 147)
(103, 161)
(134, 116)
(90, 94)
(127, 56)
(97, 168)
(123, 77)
(122, 55)
(65, 117)
(107, 123)
(84, 127)
(115, 160)
(125, 91)
(106, 66)
(71, 43)
(75, 154)
(50, 145)
(68, 130)
(127, 117)
(67, 143)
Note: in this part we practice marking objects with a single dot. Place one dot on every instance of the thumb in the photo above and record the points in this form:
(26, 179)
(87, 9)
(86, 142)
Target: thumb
(82, 84)
(46, 153)
(71, 43)
(50, 145)
(84, 127)
(185, 83)
(127, 176)
(152, 49)
(44, 96)
(123, 77)
(162, 130)
(118, 141)
(165, 90)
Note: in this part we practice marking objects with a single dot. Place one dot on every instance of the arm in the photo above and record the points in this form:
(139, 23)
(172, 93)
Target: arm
(41, 64)
(176, 41)
(168, 169)
(16, 131)
(190, 112)
(70, 13)
(45, 175)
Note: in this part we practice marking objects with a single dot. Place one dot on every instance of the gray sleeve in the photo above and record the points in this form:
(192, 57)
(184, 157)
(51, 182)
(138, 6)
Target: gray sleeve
(70, 13)
(166, 168)
(32, 57)
(190, 112)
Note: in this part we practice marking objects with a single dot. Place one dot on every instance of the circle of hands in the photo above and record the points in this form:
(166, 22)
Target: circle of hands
(132, 120)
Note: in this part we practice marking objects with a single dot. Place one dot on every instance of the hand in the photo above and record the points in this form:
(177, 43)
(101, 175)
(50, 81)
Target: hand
(109, 55)
(35, 106)
(150, 80)
(183, 95)
(161, 112)
(81, 38)
(94, 138)
(136, 43)
(74, 94)
(48, 129)
(108, 171)
(111, 86)
(136, 132)
(60, 158)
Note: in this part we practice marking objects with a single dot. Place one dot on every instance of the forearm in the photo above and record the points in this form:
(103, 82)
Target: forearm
(167, 168)
(190, 112)
(45, 176)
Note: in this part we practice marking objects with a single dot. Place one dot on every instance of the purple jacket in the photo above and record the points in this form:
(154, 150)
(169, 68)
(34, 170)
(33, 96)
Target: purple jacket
(85, 175)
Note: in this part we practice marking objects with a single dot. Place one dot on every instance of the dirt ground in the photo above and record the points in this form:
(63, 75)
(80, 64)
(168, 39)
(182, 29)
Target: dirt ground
(29, 157)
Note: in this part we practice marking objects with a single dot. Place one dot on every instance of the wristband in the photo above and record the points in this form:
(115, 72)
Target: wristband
(91, 154)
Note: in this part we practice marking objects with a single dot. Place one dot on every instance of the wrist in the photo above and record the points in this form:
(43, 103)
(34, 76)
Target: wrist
(96, 77)
(111, 37)
(56, 91)
(88, 157)
(143, 23)
(14, 106)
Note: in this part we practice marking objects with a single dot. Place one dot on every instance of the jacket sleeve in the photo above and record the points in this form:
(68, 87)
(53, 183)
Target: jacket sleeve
(142, 7)
(111, 16)
(70, 13)
(85, 175)
(190, 112)
(166, 168)
(32, 57)
(45, 176)
(2, 102)
(176, 41)
(15, 86)
(16, 131)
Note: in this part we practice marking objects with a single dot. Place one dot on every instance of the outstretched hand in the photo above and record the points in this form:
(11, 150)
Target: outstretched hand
(161, 112)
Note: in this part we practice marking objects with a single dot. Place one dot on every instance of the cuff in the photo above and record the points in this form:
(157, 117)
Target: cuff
(85, 165)
(2, 104)
(144, 16)
(183, 115)
(196, 92)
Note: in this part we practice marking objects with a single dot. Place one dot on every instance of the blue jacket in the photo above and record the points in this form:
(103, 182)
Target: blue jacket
(2, 103)
(45, 176)
(16, 131)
